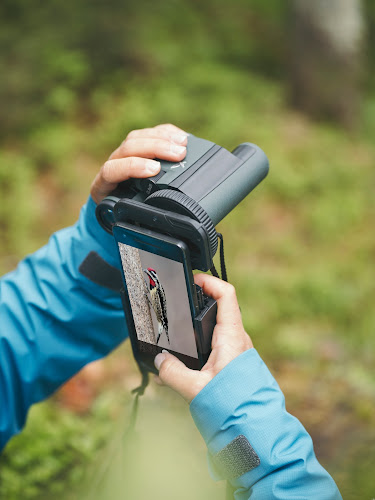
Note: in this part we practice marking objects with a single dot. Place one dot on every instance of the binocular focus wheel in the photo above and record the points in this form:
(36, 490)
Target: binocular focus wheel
(178, 202)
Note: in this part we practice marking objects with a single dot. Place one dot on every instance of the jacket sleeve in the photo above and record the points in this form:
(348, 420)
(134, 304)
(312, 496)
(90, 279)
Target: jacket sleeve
(252, 441)
(53, 320)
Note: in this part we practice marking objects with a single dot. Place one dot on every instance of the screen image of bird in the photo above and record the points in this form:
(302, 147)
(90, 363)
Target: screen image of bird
(158, 297)
(158, 302)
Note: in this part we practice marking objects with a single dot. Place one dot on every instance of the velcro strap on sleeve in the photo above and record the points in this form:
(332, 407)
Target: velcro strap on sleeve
(96, 269)
(237, 458)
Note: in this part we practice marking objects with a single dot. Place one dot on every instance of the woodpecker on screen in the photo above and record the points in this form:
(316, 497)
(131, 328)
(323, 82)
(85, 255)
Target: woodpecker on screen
(158, 302)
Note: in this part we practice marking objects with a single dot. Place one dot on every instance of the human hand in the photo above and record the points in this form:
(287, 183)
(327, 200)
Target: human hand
(228, 341)
(134, 157)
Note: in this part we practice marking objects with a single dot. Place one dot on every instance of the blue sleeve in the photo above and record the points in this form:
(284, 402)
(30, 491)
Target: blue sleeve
(244, 399)
(53, 320)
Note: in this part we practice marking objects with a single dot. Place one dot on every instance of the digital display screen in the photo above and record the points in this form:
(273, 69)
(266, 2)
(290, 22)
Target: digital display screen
(159, 301)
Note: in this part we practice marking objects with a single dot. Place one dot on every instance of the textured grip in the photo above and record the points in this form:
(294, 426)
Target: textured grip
(182, 204)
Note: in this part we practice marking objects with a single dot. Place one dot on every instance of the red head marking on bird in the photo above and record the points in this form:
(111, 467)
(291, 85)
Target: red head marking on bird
(152, 282)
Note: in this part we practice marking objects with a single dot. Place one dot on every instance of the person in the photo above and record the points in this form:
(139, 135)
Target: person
(55, 318)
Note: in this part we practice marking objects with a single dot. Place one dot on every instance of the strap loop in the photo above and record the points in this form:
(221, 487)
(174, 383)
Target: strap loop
(138, 391)
(223, 269)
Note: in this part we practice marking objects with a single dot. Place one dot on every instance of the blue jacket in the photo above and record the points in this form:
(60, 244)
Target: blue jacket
(54, 320)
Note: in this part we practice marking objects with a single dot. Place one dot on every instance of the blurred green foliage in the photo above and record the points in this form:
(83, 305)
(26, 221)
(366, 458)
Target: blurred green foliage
(76, 78)
(50, 458)
(54, 56)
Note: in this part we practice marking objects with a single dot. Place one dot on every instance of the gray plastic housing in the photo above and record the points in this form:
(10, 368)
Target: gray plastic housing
(212, 176)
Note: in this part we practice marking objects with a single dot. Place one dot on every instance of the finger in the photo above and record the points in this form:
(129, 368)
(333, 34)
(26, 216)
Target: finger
(174, 374)
(158, 380)
(228, 311)
(170, 128)
(176, 136)
(115, 171)
(150, 148)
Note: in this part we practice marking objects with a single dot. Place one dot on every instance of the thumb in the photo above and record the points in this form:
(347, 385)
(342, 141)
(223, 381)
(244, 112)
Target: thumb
(174, 374)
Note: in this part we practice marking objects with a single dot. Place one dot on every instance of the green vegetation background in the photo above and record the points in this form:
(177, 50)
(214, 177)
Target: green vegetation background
(75, 78)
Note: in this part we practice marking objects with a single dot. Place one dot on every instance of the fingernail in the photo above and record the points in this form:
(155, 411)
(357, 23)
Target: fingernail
(159, 358)
(179, 138)
(177, 150)
(153, 166)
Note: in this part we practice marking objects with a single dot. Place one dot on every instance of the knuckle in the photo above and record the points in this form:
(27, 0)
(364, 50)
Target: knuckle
(164, 125)
(131, 135)
(165, 369)
(128, 163)
(229, 289)
(131, 164)
(107, 171)
(125, 146)
(156, 146)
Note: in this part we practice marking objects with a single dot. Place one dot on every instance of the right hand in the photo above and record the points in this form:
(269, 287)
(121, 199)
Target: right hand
(229, 340)
(134, 157)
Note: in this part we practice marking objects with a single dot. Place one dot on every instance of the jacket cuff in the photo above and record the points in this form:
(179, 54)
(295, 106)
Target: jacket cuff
(252, 440)
(215, 408)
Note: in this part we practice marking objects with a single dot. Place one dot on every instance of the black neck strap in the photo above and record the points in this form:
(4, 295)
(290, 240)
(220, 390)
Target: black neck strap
(223, 269)
(138, 391)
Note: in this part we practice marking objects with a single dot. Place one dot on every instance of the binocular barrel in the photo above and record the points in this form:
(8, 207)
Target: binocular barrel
(226, 179)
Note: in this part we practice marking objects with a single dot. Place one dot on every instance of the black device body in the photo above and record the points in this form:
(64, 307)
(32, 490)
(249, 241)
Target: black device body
(191, 316)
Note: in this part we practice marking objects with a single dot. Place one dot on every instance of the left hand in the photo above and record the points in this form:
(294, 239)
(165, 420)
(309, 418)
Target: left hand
(229, 340)
(134, 157)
